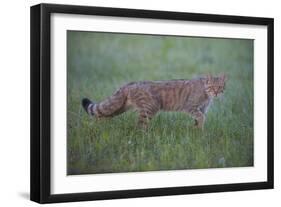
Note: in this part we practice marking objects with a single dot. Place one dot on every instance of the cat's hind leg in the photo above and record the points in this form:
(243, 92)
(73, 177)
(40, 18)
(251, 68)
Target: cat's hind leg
(144, 117)
(147, 108)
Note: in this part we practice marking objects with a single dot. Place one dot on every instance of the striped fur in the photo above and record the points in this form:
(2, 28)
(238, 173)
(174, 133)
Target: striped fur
(149, 97)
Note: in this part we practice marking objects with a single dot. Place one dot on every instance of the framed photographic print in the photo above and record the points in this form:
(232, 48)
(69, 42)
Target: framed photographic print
(132, 103)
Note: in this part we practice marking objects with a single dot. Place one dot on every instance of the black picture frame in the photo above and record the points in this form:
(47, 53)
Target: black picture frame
(41, 102)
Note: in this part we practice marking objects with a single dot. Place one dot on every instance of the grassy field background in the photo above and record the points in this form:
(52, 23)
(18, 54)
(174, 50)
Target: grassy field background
(99, 63)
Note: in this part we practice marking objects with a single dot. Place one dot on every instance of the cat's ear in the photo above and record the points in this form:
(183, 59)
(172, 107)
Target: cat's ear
(209, 77)
(223, 77)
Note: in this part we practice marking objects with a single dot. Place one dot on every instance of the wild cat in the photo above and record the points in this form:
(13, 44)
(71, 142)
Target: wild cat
(148, 97)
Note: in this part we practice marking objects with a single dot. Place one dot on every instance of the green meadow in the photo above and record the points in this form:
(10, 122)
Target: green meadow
(99, 63)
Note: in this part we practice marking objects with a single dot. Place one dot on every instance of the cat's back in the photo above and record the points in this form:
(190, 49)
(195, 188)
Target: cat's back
(162, 84)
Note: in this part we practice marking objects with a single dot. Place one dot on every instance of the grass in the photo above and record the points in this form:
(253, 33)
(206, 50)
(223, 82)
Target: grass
(99, 63)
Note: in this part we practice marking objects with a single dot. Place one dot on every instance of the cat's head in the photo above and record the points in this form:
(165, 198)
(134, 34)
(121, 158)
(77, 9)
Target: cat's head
(214, 86)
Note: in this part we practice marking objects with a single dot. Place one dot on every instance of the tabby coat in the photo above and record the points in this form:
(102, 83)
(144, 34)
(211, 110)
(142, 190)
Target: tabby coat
(149, 97)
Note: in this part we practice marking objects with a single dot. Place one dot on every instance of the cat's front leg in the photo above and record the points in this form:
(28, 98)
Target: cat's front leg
(199, 118)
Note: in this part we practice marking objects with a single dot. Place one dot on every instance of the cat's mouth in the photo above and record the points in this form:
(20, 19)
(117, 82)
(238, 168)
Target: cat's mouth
(215, 94)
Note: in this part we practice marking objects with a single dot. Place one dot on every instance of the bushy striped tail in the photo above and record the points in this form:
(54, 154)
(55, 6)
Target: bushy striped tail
(111, 106)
